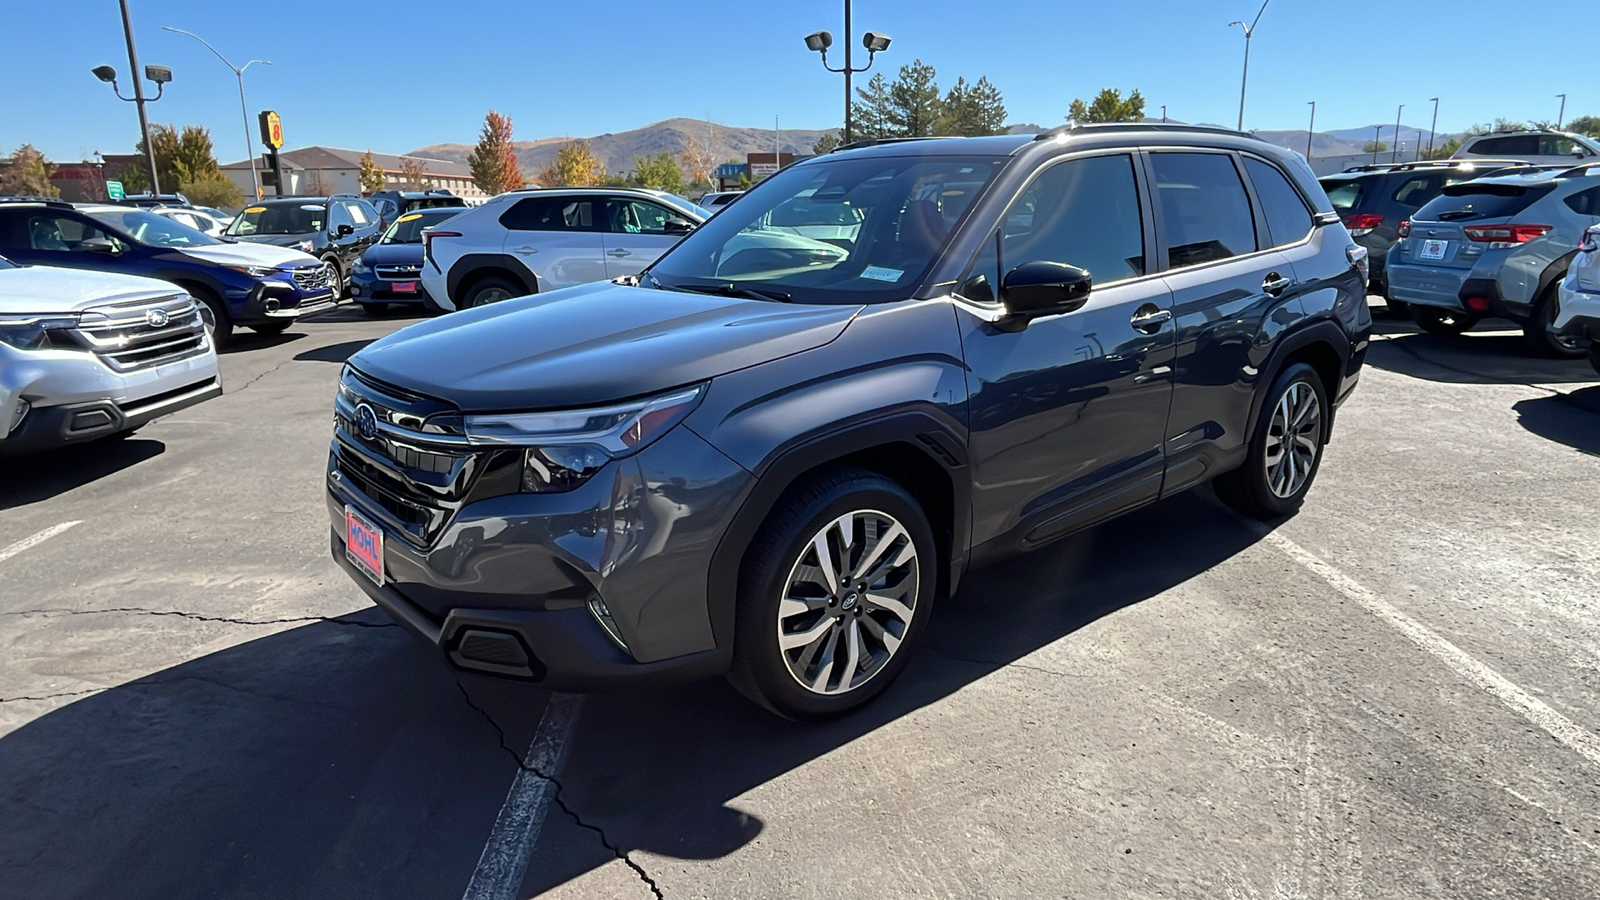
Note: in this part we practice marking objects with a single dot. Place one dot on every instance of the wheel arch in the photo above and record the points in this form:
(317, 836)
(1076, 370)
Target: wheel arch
(914, 449)
(1554, 272)
(474, 266)
(1322, 345)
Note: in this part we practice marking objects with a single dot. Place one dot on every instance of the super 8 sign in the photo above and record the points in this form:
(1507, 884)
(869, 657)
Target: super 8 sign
(271, 130)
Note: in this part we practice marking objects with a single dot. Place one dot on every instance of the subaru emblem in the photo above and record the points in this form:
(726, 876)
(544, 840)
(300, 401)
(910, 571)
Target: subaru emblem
(157, 318)
(366, 422)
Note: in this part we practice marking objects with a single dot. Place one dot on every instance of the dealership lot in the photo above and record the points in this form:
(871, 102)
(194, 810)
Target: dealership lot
(1393, 694)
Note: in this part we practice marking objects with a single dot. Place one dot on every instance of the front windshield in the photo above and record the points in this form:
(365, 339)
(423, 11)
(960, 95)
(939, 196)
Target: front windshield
(408, 228)
(281, 218)
(841, 230)
(6, 263)
(152, 230)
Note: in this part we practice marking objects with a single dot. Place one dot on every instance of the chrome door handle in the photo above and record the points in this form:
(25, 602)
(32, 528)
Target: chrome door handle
(1275, 284)
(1149, 319)
(619, 252)
(526, 250)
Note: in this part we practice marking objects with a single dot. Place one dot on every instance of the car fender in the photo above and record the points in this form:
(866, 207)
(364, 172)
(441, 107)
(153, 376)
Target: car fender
(1554, 272)
(469, 263)
(1298, 337)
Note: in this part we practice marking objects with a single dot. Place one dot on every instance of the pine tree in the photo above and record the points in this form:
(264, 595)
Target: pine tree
(1108, 106)
(372, 177)
(914, 102)
(494, 160)
(870, 112)
(972, 110)
(826, 143)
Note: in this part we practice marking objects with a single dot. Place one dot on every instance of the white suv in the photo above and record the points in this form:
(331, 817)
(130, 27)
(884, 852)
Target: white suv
(524, 242)
(1553, 148)
(85, 355)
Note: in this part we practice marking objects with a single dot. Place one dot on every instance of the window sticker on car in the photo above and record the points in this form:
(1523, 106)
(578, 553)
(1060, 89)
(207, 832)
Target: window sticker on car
(879, 273)
(310, 206)
(255, 209)
(411, 218)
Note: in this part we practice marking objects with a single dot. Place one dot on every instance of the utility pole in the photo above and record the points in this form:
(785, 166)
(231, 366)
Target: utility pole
(1244, 82)
(1561, 116)
(244, 110)
(1311, 129)
(138, 100)
(1395, 156)
(1377, 133)
(1433, 129)
(1163, 114)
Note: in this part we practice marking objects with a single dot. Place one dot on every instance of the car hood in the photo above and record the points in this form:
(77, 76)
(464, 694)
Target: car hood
(393, 254)
(251, 254)
(592, 344)
(49, 289)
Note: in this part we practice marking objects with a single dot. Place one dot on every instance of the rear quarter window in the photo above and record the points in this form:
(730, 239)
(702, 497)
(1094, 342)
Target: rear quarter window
(1469, 201)
(1344, 194)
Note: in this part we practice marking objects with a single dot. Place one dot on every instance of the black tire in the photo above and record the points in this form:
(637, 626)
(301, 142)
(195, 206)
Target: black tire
(491, 289)
(1544, 342)
(1250, 489)
(275, 327)
(374, 309)
(215, 314)
(761, 670)
(1440, 321)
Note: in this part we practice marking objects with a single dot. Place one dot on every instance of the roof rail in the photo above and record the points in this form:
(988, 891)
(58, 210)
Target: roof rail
(1576, 170)
(873, 142)
(1137, 126)
(55, 202)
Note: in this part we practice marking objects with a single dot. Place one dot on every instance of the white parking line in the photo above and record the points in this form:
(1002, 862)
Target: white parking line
(1530, 707)
(35, 540)
(505, 857)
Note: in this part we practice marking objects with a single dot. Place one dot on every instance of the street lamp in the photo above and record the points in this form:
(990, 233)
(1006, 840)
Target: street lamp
(244, 111)
(1434, 128)
(874, 41)
(1561, 116)
(1395, 156)
(1245, 81)
(159, 74)
(1311, 129)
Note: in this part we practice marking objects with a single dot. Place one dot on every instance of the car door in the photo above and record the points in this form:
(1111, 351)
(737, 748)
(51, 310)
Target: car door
(557, 239)
(368, 226)
(1068, 414)
(636, 234)
(1231, 294)
(46, 236)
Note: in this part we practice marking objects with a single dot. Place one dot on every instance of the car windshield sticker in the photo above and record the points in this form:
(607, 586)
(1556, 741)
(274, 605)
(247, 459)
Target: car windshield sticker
(879, 273)
(255, 209)
(411, 218)
(311, 207)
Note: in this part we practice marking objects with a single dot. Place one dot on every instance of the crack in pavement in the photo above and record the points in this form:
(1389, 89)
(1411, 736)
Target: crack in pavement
(53, 696)
(63, 611)
(1002, 664)
(605, 841)
(262, 375)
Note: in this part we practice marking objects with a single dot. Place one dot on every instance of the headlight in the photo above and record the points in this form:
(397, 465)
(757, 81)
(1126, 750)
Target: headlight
(565, 448)
(26, 332)
(255, 271)
(360, 268)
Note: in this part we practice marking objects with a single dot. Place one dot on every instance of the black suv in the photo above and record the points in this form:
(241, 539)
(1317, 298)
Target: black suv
(1374, 200)
(772, 453)
(392, 205)
(336, 229)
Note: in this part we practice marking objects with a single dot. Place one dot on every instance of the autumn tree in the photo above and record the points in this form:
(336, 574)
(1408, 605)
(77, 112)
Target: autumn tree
(575, 165)
(494, 160)
(1108, 106)
(372, 177)
(697, 161)
(212, 188)
(660, 172)
(28, 175)
(413, 176)
(972, 110)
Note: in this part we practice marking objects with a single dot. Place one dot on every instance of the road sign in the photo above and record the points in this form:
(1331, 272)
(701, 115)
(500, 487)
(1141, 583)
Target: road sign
(114, 190)
(271, 130)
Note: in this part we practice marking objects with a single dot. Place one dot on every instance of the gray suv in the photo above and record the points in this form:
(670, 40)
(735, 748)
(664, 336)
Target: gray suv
(771, 455)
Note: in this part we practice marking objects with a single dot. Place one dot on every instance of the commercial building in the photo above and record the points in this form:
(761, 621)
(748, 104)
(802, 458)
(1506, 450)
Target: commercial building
(329, 170)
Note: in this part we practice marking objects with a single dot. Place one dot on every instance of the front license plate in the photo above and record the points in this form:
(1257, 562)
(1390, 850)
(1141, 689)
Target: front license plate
(1433, 249)
(363, 544)
(404, 287)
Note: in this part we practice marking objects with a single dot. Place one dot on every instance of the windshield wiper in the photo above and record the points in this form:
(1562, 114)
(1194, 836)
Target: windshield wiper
(729, 289)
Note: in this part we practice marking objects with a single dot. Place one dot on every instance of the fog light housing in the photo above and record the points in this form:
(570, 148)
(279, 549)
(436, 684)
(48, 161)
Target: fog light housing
(602, 615)
(548, 470)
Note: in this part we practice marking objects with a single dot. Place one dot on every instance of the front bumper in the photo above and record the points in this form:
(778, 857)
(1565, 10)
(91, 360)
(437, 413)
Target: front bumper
(74, 423)
(372, 289)
(1578, 312)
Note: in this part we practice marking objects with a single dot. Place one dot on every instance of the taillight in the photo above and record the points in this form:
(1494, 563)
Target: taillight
(1505, 234)
(428, 234)
(1405, 228)
(1362, 223)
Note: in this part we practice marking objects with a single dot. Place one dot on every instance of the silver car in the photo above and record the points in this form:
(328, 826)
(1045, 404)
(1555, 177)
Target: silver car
(1579, 312)
(1496, 246)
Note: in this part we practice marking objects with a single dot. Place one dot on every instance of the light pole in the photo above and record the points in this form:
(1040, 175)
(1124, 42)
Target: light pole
(874, 41)
(1245, 81)
(1377, 134)
(244, 111)
(1163, 114)
(1311, 129)
(1434, 128)
(1395, 156)
(1561, 116)
(159, 74)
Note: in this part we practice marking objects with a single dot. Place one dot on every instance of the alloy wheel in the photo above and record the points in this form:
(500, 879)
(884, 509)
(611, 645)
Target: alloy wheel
(848, 602)
(1294, 438)
(491, 295)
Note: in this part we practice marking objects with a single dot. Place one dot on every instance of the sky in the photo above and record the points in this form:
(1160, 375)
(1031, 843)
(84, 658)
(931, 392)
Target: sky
(401, 74)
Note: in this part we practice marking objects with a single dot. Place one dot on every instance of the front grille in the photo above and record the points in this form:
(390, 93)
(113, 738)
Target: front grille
(398, 273)
(313, 278)
(141, 334)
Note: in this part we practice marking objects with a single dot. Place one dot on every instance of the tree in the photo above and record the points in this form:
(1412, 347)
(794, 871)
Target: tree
(412, 175)
(28, 174)
(870, 111)
(974, 110)
(826, 143)
(1444, 150)
(1374, 147)
(1586, 125)
(372, 177)
(660, 172)
(697, 160)
(181, 156)
(212, 189)
(494, 160)
(1108, 106)
(575, 165)
(914, 103)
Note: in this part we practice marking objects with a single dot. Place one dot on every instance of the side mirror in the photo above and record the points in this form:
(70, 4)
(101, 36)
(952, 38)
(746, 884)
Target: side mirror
(345, 230)
(98, 245)
(1578, 153)
(676, 225)
(1044, 288)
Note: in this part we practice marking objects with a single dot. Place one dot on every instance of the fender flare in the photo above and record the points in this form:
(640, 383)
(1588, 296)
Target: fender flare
(463, 268)
(1552, 273)
(921, 429)
(1320, 331)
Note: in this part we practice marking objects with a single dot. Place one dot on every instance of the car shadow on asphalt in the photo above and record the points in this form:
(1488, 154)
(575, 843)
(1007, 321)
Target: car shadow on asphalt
(1494, 352)
(334, 759)
(335, 353)
(1572, 418)
(660, 771)
(244, 340)
(40, 476)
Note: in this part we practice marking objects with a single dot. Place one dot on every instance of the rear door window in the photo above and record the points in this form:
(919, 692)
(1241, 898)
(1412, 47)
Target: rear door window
(1344, 195)
(1287, 216)
(1204, 211)
(1585, 203)
(1469, 201)
(550, 214)
(1556, 145)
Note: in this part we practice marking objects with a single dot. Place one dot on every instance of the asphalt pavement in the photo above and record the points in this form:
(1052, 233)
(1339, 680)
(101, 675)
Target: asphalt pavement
(1395, 693)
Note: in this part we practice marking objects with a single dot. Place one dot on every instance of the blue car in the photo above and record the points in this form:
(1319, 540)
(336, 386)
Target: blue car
(390, 271)
(254, 285)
